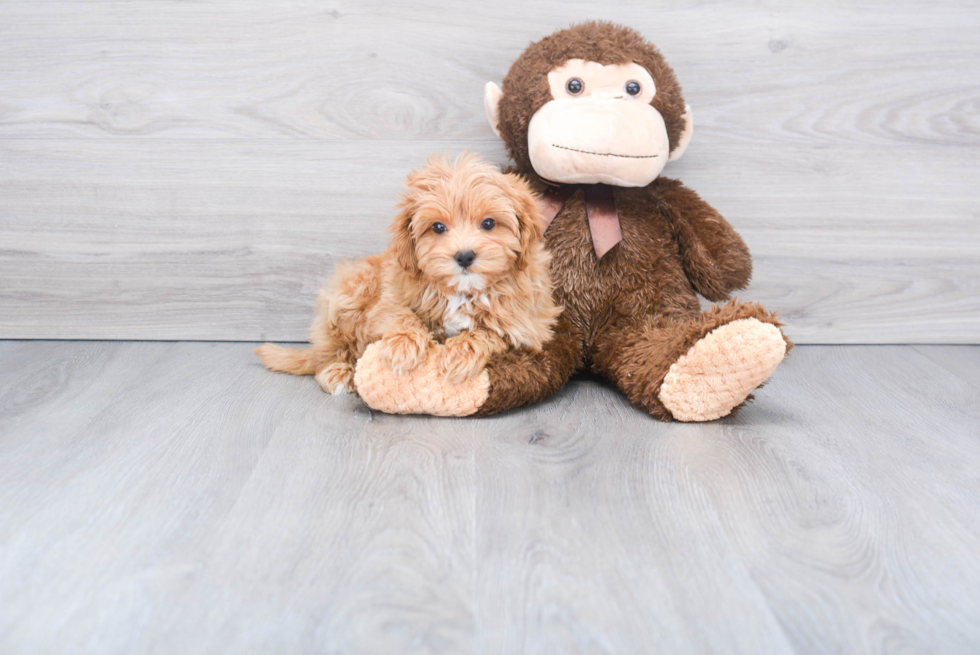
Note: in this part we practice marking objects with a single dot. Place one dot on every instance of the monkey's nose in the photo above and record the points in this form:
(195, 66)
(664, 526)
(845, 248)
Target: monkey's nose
(465, 258)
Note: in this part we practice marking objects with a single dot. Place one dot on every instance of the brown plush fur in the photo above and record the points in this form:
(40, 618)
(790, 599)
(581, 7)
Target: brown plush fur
(415, 291)
(630, 316)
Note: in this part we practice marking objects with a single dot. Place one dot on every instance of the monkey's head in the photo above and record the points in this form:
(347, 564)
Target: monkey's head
(591, 104)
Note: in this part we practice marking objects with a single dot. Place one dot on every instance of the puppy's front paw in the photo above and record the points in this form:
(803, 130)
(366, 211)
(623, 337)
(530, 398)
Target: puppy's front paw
(404, 351)
(460, 360)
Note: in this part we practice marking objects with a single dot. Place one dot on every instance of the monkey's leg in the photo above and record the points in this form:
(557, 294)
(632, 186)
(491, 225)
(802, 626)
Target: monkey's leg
(523, 377)
(511, 379)
(696, 369)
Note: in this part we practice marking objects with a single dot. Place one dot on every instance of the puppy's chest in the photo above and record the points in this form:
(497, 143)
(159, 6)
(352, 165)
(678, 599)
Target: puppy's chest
(461, 312)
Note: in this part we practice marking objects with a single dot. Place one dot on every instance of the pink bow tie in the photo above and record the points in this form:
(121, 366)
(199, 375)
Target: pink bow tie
(600, 206)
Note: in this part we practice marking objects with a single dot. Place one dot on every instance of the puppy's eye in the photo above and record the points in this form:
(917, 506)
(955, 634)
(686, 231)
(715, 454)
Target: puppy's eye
(438, 228)
(574, 86)
(488, 224)
(633, 88)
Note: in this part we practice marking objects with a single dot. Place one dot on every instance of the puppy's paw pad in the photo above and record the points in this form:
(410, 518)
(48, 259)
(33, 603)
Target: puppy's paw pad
(337, 379)
(404, 351)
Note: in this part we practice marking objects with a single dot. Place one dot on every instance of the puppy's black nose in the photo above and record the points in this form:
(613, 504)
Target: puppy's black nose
(465, 257)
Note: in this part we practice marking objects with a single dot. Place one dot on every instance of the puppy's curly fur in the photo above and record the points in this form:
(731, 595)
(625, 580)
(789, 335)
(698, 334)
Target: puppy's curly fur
(418, 290)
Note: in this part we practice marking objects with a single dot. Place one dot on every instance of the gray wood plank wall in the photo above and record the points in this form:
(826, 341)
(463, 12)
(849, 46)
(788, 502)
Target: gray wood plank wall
(174, 170)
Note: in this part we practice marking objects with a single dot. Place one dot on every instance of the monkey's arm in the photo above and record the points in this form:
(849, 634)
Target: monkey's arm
(715, 259)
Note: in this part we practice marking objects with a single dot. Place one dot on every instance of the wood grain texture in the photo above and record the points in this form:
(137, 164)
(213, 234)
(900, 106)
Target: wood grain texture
(230, 240)
(180, 498)
(874, 72)
(173, 170)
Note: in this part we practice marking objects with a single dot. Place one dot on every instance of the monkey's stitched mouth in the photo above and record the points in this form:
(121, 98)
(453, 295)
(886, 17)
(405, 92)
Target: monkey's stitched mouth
(604, 154)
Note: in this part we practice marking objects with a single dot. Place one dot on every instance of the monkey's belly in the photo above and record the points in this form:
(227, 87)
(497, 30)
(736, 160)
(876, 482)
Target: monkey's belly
(642, 275)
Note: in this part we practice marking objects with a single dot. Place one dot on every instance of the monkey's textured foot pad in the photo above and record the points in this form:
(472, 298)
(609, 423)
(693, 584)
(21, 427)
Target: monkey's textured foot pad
(420, 391)
(720, 371)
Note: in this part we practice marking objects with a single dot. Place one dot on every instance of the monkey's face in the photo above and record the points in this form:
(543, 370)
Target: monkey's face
(599, 126)
(589, 122)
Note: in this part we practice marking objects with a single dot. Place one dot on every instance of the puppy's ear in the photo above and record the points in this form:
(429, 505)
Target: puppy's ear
(530, 221)
(401, 237)
(419, 183)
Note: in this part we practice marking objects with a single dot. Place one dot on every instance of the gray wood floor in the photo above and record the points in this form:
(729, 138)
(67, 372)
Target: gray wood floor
(177, 498)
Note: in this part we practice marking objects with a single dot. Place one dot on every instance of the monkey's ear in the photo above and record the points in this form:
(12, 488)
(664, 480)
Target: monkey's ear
(491, 103)
(685, 139)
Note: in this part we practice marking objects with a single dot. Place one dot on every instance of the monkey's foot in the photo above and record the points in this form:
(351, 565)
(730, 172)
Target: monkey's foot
(422, 390)
(720, 371)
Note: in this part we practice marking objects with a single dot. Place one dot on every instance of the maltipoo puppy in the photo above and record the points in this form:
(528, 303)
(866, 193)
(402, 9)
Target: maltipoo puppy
(466, 266)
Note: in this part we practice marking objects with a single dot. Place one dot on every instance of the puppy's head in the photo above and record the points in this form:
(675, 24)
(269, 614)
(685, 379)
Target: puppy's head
(464, 225)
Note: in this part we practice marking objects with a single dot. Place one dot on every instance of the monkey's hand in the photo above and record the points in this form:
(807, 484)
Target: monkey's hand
(715, 259)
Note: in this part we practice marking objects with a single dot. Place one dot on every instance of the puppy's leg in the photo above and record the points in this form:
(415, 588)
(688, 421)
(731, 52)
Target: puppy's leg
(467, 353)
(405, 341)
(335, 358)
(341, 328)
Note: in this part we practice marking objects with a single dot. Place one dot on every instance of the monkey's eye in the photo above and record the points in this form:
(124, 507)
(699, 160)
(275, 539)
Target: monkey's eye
(574, 86)
(633, 88)
(488, 224)
(438, 228)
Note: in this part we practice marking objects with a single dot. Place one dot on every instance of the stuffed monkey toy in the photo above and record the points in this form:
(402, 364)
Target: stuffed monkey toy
(591, 115)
